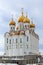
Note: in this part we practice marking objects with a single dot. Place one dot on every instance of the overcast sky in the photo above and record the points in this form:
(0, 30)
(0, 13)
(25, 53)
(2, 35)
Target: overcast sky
(9, 7)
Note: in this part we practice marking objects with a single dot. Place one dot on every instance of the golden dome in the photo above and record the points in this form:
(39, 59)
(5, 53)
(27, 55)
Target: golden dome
(26, 20)
(32, 25)
(21, 18)
(12, 22)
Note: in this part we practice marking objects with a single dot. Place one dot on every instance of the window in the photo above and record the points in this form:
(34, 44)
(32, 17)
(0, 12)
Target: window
(7, 40)
(11, 27)
(27, 38)
(24, 52)
(10, 41)
(16, 40)
(20, 40)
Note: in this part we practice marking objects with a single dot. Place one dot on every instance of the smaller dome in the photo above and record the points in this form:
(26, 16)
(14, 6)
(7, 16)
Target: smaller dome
(26, 20)
(32, 25)
(12, 22)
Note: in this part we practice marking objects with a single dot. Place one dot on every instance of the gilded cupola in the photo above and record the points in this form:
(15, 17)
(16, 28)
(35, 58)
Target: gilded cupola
(21, 18)
(26, 19)
(32, 25)
(12, 22)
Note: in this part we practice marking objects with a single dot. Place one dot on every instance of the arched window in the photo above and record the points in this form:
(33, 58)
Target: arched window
(27, 38)
(7, 40)
(16, 40)
(20, 40)
(10, 41)
(11, 27)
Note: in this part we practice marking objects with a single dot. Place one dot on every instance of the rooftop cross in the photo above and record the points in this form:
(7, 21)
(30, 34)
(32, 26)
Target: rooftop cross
(22, 11)
(12, 16)
(32, 20)
(26, 14)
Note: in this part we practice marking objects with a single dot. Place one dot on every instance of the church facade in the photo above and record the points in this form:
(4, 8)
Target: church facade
(21, 40)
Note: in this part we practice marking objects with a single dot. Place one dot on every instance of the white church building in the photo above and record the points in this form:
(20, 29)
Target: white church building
(21, 39)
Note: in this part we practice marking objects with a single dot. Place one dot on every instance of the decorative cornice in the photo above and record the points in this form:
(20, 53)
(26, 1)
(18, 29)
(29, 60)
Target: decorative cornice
(12, 33)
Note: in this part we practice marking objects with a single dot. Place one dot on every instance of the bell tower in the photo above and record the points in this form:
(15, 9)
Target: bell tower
(12, 25)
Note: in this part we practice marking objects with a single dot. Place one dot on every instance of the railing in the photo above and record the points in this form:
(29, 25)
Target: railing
(29, 59)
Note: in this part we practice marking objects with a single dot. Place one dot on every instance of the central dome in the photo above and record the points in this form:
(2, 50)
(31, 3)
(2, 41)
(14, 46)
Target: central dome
(22, 17)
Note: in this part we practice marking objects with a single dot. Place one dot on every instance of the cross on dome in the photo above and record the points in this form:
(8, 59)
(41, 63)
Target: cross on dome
(12, 22)
(21, 18)
(22, 11)
(26, 19)
(32, 25)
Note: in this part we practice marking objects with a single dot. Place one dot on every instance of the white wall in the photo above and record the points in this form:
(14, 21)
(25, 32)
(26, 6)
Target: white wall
(20, 49)
(34, 44)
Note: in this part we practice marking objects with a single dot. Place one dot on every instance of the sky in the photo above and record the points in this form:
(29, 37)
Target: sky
(13, 7)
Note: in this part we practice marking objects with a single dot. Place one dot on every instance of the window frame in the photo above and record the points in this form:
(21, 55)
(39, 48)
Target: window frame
(7, 40)
(16, 40)
(10, 41)
(27, 38)
(20, 40)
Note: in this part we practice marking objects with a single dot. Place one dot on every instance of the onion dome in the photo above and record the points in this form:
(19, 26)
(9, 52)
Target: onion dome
(12, 22)
(21, 18)
(32, 25)
(26, 19)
